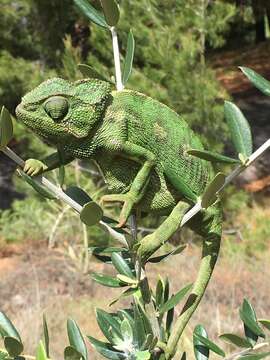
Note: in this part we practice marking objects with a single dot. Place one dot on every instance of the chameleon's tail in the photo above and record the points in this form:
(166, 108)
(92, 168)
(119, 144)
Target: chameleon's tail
(211, 231)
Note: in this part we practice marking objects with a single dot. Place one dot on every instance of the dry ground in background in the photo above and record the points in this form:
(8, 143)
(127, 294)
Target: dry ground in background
(34, 279)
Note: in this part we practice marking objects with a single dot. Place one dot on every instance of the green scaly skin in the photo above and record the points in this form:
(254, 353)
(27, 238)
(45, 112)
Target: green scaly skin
(140, 146)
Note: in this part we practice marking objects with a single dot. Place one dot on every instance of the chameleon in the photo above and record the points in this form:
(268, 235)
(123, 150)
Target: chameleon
(141, 148)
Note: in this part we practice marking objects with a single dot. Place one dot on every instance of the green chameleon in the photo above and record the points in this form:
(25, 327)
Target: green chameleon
(140, 146)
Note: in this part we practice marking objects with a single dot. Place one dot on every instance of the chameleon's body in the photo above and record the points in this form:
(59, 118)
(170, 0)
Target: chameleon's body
(140, 146)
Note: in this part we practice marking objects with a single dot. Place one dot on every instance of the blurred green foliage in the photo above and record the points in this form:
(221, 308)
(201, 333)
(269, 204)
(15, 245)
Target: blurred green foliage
(41, 39)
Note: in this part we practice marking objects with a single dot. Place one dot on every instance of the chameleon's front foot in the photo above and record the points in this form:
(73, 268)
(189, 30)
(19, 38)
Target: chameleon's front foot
(33, 167)
(128, 205)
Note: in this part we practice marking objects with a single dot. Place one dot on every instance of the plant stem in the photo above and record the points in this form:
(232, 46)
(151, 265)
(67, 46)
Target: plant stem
(117, 64)
(145, 290)
(59, 193)
(253, 157)
(235, 356)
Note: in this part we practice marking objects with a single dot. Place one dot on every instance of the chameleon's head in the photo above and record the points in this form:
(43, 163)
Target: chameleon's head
(59, 111)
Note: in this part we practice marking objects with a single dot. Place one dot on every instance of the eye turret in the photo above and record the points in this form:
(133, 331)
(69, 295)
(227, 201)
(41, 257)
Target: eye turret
(56, 107)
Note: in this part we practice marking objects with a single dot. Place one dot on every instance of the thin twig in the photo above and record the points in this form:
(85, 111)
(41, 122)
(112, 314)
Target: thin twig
(51, 242)
(117, 64)
(235, 356)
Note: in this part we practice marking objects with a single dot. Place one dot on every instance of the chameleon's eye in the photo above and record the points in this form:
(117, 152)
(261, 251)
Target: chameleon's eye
(56, 107)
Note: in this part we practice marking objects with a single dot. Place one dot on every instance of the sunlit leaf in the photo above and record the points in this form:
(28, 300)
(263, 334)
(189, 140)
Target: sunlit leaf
(121, 265)
(7, 328)
(107, 280)
(257, 80)
(91, 13)
(6, 128)
(142, 355)
(200, 350)
(239, 129)
(126, 330)
(175, 299)
(235, 340)
(76, 339)
(13, 346)
(91, 213)
(129, 57)
(111, 11)
(41, 352)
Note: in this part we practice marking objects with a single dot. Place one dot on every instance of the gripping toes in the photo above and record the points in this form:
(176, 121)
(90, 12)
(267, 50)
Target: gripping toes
(128, 203)
(33, 167)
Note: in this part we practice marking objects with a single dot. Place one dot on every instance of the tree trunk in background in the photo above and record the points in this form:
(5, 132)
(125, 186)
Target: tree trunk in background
(260, 9)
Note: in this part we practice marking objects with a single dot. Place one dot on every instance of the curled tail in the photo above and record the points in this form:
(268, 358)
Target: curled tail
(209, 225)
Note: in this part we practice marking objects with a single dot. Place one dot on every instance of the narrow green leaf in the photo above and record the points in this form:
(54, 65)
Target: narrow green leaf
(175, 299)
(169, 320)
(111, 11)
(89, 72)
(6, 128)
(210, 194)
(254, 356)
(235, 340)
(126, 330)
(91, 213)
(109, 326)
(106, 349)
(7, 328)
(210, 345)
(257, 80)
(211, 156)
(46, 336)
(200, 350)
(145, 319)
(71, 353)
(40, 189)
(143, 355)
(41, 352)
(159, 293)
(239, 129)
(139, 330)
(78, 195)
(76, 339)
(248, 316)
(107, 280)
(91, 13)
(160, 258)
(127, 280)
(265, 323)
(129, 57)
(13, 346)
(121, 265)
(128, 292)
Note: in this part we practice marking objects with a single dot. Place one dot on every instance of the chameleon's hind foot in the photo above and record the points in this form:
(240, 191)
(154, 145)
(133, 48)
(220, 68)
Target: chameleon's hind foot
(128, 201)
